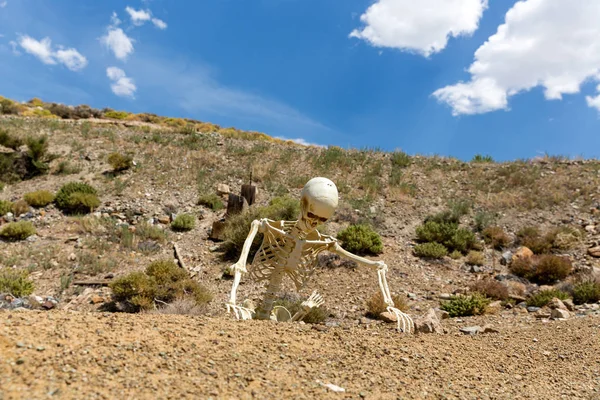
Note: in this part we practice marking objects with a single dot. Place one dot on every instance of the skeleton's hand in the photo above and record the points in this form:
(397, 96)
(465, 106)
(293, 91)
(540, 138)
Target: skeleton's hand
(408, 326)
(239, 311)
(314, 300)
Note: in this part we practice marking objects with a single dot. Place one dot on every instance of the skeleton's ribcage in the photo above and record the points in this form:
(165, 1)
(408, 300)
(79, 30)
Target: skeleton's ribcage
(276, 255)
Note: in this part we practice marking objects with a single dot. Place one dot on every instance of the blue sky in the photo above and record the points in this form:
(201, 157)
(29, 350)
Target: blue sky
(447, 77)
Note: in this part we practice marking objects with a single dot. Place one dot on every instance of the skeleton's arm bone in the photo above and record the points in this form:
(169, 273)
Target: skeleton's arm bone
(380, 266)
(240, 266)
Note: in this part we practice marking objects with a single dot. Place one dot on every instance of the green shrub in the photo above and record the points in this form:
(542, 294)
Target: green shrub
(163, 281)
(448, 234)
(496, 236)
(211, 200)
(475, 258)
(478, 158)
(76, 197)
(376, 305)
(39, 198)
(8, 106)
(20, 230)
(5, 207)
(120, 162)
(66, 168)
(10, 141)
(116, 114)
(456, 255)
(237, 226)
(466, 305)
(15, 282)
(400, 159)
(430, 250)
(183, 222)
(565, 237)
(586, 292)
(2, 185)
(361, 239)
(542, 269)
(543, 297)
(490, 288)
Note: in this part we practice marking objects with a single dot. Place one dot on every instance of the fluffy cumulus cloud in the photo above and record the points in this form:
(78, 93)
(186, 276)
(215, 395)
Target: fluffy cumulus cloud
(42, 49)
(554, 44)
(121, 85)
(423, 27)
(118, 42)
(138, 17)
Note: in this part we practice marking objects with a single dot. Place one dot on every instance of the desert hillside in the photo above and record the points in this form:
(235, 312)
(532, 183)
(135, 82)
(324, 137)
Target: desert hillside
(500, 260)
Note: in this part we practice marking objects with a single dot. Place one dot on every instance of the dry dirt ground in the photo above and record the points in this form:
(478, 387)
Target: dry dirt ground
(77, 355)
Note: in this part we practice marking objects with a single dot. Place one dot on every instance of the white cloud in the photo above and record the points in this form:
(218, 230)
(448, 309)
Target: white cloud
(118, 42)
(42, 49)
(419, 26)
(114, 20)
(15, 47)
(138, 17)
(301, 141)
(159, 23)
(71, 58)
(122, 85)
(550, 43)
(594, 101)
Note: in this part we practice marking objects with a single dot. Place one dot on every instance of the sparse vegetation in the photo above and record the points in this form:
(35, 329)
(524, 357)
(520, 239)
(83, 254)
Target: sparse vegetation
(183, 223)
(14, 231)
(15, 282)
(376, 305)
(490, 288)
(39, 198)
(543, 297)
(496, 237)
(77, 197)
(478, 158)
(361, 239)
(543, 269)
(11, 141)
(162, 282)
(20, 207)
(586, 291)
(5, 207)
(475, 258)
(211, 200)
(466, 305)
(120, 162)
(431, 250)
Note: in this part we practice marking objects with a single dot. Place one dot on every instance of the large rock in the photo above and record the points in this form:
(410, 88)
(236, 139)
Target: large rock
(557, 304)
(557, 313)
(428, 323)
(522, 252)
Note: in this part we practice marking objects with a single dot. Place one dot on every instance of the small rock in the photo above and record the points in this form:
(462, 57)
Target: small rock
(164, 219)
(594, 251)
(97, 299)
(445, 296)
(411, 295)
(387, 316)
(489, 329)
(569, 304)
(444, 314)
(72, 257)
(533, 309)
(471, 330)
(556, 303)
(429, 323)
(558, 313)
(590, 229)
(223, 188)
(506, 258)
(48, 305)
(366, 321)
(475, 269)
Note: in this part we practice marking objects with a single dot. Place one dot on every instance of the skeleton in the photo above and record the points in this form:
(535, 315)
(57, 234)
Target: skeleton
(291, 248)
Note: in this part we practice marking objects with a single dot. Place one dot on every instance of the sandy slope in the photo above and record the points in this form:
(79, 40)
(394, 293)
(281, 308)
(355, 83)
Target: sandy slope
(68, 355)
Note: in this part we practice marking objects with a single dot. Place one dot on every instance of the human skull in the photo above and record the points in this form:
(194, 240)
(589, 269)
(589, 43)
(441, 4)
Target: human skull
(318, 201)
